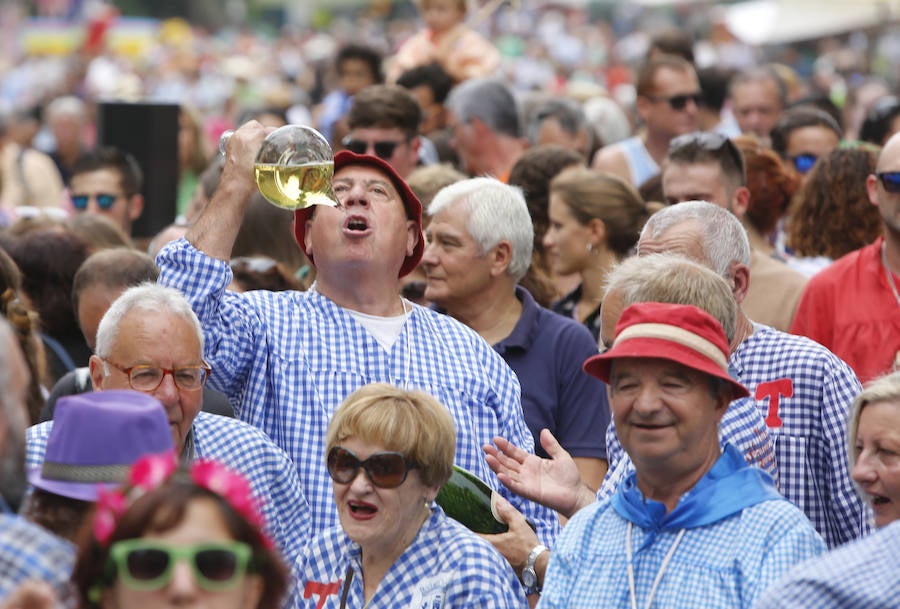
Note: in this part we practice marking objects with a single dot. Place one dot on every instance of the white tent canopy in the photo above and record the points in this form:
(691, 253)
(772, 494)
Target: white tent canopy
(779, 21)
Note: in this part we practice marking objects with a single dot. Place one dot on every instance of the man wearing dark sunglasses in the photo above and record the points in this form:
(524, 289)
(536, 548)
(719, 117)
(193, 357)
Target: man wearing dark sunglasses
(288, 359)
(384, 121)
(853, 306)
(803, 135)
(668, 92)
(107, 181)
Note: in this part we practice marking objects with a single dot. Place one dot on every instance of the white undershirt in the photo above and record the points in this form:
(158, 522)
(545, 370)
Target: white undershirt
(386, 330)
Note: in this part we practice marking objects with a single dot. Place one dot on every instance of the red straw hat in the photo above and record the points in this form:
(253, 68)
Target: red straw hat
(413, 206)
(679, 333)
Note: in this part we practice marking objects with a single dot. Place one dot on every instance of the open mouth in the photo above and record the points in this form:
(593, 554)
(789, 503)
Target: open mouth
(879, 500)
(356, 224)
(362, 509)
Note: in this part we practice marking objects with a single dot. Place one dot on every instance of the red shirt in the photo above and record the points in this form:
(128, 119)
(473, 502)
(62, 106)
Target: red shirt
(850, 309)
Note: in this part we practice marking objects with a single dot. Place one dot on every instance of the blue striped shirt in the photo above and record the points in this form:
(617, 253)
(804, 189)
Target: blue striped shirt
(288, 359)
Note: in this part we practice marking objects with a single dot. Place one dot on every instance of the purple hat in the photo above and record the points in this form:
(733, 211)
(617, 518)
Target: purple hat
(96, 437)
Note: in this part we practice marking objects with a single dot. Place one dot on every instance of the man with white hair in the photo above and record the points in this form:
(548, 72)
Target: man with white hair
(479, 246)
(151, 341)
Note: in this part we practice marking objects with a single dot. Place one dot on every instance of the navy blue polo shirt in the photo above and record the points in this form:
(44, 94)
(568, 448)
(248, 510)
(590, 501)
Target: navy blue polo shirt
(546, 351)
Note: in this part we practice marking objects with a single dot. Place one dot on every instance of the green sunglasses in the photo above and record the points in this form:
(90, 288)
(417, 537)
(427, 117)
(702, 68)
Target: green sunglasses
(147, 565)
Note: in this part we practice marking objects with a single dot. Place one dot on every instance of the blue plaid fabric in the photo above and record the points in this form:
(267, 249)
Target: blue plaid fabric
(808, 426)
(29, 552)
(741, 426)
(445, 566)
(864, 574)
(288, 359)
(813, 389)
(724, 565)
(244, 449)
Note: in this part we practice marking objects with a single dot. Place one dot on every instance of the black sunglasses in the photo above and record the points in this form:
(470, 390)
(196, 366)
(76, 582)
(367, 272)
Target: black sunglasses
(803, 162)
(678, 102)
(383, 150)
(890, 180)
(385, 470)
(104, 201)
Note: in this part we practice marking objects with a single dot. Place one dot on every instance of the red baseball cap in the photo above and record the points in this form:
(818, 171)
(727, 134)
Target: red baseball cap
(679, 333)
(413, 206)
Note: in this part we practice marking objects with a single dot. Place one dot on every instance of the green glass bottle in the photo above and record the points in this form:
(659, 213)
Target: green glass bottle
(468, 500)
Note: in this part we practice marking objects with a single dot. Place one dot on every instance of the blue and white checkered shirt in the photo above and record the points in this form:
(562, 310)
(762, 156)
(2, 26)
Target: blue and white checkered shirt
(725, 565)
(446, 566)
(244, 449)
(864, 574)
(803, 392)
(29, 552)
(288, 359)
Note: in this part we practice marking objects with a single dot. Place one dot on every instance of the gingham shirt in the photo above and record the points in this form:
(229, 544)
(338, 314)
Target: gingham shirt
(864, 574)
(288, 359)
(814, 390)
(724, 565)
(29, 552)
(445, 566)
(248, 451)
(741, 426)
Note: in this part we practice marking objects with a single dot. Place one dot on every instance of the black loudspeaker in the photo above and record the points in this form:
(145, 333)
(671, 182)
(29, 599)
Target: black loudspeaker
(150, 133)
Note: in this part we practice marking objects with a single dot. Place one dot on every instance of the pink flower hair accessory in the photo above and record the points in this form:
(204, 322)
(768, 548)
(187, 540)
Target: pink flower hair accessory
(151, 471)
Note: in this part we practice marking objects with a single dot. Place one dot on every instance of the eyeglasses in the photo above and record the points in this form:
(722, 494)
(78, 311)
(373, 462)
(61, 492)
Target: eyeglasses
(890, 180)
(383, 150)
(803, 162)
(385, 470)
(678, 102)
(148, 565)
(147, 378)
(710, 141)
(104, 201)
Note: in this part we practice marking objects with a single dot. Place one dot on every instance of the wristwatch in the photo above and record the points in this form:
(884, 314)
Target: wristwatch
(529, 576)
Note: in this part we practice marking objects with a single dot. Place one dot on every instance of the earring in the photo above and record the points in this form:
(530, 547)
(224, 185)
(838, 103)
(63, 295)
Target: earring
(590, 247)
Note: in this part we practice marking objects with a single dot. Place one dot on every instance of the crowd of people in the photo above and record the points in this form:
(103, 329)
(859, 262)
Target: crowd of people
(663, 330)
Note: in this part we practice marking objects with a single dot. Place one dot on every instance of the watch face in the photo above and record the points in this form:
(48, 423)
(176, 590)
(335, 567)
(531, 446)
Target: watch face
(529, 577)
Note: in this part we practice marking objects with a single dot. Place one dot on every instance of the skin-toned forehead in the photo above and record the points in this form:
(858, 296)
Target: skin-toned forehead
(889, 159)
(368, 174)
(684, 238)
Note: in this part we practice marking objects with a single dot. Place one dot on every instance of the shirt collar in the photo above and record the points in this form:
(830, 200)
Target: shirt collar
(523, 332)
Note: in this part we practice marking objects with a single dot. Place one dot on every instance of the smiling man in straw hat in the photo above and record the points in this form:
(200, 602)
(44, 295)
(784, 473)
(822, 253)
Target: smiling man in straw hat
(694, 521)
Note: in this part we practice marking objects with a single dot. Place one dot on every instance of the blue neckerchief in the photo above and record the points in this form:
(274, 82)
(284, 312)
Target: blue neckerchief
(727, 488)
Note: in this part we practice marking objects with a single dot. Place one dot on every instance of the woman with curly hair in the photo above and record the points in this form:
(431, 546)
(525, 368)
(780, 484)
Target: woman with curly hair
(831, 214)
(26, 324)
